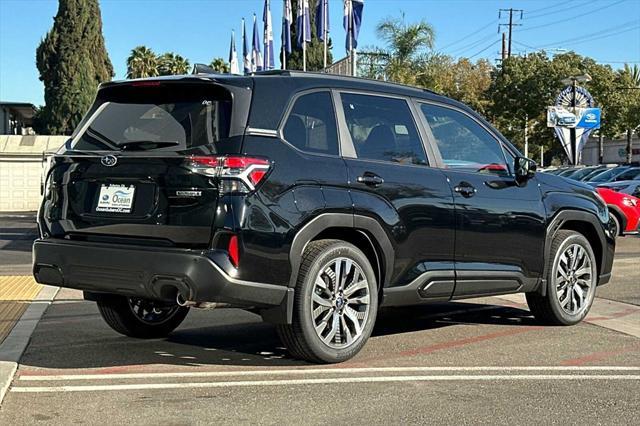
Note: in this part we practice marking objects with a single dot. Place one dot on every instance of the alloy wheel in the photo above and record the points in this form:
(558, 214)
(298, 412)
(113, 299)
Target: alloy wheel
(574, 279)
(151, 312)
(340, 303)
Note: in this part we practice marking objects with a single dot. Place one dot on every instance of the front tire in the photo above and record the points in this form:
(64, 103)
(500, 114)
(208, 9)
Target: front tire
(141, 318)
(336, 303)
(571, 281)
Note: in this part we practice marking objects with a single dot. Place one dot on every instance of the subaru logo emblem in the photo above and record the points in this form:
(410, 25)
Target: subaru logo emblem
(109, 160)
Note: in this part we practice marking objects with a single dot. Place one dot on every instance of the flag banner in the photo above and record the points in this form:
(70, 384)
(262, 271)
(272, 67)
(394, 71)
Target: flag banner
(233, 56)
(246, 54)
(256, 54)
(322, 19)
(303, 24)
(269, 62)
(352, 21)
(287, 20)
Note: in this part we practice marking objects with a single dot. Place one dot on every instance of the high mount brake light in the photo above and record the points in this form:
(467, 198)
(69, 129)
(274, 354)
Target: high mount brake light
(248, 170)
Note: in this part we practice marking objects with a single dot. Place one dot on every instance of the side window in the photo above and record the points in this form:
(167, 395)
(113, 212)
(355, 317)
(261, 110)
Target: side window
(382, 129)
(463, 143)
(311, 125)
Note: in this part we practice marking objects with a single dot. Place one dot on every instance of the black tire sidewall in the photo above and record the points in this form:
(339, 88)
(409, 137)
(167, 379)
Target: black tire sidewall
(618, 225)
(562, 316)
(304, 309)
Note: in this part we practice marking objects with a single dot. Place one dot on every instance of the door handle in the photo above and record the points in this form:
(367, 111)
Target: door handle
(465, 189)
(370, 179)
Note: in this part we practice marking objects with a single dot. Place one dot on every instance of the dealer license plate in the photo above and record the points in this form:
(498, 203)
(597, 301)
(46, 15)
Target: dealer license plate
(116, 198)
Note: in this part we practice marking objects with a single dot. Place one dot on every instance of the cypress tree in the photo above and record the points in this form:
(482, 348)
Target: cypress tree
(72, 60)
(315, 49)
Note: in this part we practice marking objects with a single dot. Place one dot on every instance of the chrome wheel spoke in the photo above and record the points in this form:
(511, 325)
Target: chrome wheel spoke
(574, 279)
(340, 302)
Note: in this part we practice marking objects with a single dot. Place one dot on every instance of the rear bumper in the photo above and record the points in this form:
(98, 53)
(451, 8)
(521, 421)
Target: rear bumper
(155, 273)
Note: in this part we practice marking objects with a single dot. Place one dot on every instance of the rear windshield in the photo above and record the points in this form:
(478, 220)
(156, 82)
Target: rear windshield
(158, 118)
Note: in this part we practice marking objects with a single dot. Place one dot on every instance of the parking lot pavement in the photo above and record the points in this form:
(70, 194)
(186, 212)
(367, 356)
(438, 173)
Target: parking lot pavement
(481, 361)
(626, 272)
(17, 232)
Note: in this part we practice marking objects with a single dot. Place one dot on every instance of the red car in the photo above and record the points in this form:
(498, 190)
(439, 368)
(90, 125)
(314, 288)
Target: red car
(624, 209)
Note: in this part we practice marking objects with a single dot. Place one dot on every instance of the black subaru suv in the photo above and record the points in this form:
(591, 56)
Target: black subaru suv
(312, 200)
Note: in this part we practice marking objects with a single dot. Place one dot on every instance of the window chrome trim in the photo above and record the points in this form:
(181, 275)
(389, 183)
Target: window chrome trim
(254, 131)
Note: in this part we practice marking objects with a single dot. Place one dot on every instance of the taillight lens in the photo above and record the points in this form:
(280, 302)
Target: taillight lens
(239, 173)
(630, 201)
(234, 251)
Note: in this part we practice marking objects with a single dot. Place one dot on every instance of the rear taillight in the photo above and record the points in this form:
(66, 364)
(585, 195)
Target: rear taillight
(234, 251)
(237, 173)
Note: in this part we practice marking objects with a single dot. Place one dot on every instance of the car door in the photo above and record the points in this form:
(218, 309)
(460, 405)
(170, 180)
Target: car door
(500, 226)
(391, 180)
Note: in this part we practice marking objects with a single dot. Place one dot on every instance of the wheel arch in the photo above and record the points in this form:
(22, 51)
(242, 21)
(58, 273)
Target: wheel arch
(622, 218)
(363, 232)
(586, 224)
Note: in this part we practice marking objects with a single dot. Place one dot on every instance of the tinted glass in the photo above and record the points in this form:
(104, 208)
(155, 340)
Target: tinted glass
(311, 125)
(157, 119)
(383, 129)
(629, 174)
(463, 143)
(608, 175)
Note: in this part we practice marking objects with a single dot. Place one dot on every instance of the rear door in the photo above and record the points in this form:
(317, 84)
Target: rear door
(133, 172)
(391, 180)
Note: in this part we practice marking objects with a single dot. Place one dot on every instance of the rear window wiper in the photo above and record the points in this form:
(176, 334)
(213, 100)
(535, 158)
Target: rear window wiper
(143, 144)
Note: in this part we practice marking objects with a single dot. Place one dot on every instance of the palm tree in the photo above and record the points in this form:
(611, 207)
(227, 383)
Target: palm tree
(406, 44)
(172, 64)
(220, 65)
(633, 73)
(141, 63)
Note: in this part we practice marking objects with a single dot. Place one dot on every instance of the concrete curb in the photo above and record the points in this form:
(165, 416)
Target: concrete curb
(14, 345)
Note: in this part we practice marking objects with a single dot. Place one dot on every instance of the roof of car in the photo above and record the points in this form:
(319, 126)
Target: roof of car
(312, 77)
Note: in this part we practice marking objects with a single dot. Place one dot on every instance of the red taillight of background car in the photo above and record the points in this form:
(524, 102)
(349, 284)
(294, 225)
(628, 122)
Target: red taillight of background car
(234, 251)
(236, 170)
(630, 201)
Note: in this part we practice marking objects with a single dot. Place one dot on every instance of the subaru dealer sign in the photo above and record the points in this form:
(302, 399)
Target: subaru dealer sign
(590, 118)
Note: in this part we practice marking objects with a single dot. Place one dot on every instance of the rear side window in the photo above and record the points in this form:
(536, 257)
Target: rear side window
(311, 124)
(382, 128)
(156, 118)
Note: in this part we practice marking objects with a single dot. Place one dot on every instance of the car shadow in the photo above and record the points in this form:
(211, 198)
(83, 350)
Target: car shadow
(72, 335)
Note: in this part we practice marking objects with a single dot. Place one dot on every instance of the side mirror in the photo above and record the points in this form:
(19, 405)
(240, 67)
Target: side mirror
(525, 169)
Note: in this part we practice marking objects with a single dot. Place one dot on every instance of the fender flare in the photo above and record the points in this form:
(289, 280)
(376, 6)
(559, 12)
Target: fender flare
(556, 223)
(314, 227)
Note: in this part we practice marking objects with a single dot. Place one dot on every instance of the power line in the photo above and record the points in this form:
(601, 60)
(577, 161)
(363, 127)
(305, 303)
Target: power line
(611, 31)
(469, 35)
(541, 9)
(532, 15)
(483, 50)
(562, 21)
(472, 45)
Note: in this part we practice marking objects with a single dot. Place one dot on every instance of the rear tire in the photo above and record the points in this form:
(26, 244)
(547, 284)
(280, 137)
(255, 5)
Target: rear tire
(336, 303)
(571, 281)
(141, 318)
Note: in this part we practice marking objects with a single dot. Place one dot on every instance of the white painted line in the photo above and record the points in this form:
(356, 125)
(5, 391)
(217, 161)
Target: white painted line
(16, 342)
(309, 371)
(336, 380)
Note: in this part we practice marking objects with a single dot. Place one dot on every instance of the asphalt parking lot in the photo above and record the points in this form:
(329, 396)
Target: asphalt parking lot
(481, 361)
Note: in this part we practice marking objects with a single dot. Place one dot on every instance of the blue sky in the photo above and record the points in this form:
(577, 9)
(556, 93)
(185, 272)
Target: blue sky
(607, 30)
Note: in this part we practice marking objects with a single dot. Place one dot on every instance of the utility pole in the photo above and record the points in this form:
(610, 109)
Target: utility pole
(504, 47)
(526, 135)
(510, 25)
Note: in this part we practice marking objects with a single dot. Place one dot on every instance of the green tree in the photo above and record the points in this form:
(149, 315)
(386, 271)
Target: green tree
(407, 45)
(172, 64)
(220, 65)
(628, 104)
(72, 61)
(142, 63)
(315, 49)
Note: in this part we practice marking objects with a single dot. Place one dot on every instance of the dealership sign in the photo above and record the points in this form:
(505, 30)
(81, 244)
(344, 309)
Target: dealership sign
(579, 117)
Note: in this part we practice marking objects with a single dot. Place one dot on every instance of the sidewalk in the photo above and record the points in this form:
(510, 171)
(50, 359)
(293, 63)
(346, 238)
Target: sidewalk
(16, 292)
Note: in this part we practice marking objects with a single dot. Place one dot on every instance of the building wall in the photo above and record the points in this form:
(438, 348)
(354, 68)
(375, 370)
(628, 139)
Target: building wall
(21, 170)
(615, 151)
